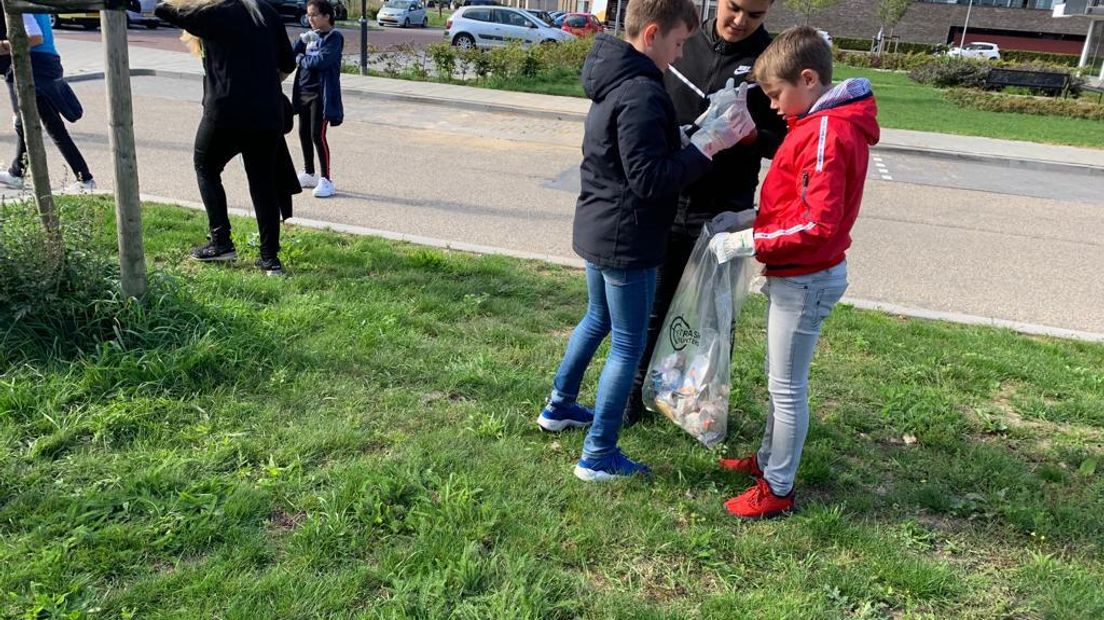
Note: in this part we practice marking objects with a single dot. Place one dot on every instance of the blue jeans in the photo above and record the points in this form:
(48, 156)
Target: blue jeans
(621, 300)
(796, 307)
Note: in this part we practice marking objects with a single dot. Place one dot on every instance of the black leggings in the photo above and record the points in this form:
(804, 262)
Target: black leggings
(312, 136)
(214, 148)
(55, 127)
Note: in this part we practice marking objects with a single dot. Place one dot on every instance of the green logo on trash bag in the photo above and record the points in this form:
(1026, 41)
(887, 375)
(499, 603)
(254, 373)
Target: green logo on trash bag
(681, 334)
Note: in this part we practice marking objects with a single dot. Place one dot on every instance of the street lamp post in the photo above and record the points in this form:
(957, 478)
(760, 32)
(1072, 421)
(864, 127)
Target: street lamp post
(966, 26)
(364, 37)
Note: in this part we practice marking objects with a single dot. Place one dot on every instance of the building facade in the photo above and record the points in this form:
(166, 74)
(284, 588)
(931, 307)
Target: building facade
(1012, 24)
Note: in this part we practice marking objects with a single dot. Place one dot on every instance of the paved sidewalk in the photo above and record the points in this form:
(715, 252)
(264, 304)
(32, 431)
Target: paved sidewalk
(84, 60)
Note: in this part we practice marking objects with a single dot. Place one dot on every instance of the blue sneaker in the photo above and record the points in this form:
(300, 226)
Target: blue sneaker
(572, 416)
(610, 467)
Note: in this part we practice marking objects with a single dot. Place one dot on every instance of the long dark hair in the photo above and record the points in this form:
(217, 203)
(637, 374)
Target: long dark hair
(324, 7)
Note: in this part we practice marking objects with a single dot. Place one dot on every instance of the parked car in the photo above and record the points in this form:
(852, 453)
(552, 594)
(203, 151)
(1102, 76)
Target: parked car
(977, 49)
(145, 16)
(581, 24)
(544, 16)
(558, 20)
(494, 26)
(403, 13)
(89, 20)
(462, 3)
(296, 10)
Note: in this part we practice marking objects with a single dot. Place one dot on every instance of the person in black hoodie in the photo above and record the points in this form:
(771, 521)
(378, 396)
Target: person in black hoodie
(634, 166)
(246, 54)
(724, 48)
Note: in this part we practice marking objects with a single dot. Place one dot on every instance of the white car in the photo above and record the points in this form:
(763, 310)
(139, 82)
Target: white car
(405, 13)
(494, 26)
(978, 49)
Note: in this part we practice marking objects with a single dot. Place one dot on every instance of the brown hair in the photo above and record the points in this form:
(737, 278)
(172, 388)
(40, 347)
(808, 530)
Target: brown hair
(793, 51)
(664, 13)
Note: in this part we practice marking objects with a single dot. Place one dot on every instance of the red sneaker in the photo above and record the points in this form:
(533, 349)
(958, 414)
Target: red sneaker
(759, 502)
(748, 465)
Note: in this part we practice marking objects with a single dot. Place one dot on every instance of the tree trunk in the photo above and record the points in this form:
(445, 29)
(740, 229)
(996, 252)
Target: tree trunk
(32, 134)
(120, 121)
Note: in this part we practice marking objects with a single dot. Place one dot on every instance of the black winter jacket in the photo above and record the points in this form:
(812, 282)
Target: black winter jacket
(633, 163)
(708, 61)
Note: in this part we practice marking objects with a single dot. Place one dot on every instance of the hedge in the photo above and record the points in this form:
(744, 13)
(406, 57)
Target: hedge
(512, 60)
(998, 102)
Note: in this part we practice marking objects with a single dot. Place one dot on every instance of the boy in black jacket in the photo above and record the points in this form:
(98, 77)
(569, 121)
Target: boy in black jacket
(634, 165)
(725, 48)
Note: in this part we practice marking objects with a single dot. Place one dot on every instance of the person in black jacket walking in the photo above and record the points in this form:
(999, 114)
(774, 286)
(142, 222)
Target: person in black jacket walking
(246, 54)
(724, 48)
(634, 165)
(55, 100)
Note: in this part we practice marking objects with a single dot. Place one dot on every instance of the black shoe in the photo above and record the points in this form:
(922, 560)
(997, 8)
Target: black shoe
(634, 410)
(214, 252)
(271, 266)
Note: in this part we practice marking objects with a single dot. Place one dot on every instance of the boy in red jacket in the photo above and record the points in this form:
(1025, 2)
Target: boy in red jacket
(808, 204)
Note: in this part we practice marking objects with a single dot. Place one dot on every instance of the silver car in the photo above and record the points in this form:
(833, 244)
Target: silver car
(494, 26)
(405, 13)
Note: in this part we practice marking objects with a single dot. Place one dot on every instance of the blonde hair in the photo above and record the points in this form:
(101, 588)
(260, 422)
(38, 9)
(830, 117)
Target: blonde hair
(664, 13)
(791, 52)
(194, 43)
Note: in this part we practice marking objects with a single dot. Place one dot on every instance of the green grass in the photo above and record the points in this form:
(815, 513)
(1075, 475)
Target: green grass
(357, 440)
(904, 104)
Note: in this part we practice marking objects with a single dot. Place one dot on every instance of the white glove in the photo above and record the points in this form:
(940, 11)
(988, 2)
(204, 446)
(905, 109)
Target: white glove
(718, 102)
(727, 246)
(726, 130)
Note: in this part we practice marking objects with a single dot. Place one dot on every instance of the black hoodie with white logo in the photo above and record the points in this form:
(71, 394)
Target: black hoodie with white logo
(708, 61)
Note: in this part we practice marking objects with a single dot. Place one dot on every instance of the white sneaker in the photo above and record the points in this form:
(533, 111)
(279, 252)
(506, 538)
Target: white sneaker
(11, 180)
(82, 187)
(325, 188)
(307, 180)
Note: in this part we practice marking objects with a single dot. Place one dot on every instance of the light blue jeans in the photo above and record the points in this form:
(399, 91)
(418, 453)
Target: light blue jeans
(618, 300)
(796, 307)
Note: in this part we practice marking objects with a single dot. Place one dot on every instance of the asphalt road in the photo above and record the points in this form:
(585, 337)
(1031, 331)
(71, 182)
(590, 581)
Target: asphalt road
(970, 239)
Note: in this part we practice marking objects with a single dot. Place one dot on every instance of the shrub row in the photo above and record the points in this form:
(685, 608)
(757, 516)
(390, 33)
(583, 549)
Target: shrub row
(944, 72)
(1042, 106)
(864, 45)
(510, 61)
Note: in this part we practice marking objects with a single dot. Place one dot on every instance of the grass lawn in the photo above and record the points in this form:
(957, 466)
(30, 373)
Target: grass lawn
(904, 104)
(358, 440)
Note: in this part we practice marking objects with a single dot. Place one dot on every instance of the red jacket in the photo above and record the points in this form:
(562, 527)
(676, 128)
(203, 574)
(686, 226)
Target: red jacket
(811, 195)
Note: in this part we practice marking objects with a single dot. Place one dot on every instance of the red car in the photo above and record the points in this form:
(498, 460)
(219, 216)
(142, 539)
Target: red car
(581, 24)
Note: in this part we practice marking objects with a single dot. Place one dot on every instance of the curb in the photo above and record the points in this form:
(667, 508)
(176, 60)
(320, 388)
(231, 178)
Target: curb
(1032, 329)
(561, 115)
(1041, 165)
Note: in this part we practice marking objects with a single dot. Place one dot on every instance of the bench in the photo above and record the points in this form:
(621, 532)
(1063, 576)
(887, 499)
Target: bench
(1098, 89)
(1053, 82)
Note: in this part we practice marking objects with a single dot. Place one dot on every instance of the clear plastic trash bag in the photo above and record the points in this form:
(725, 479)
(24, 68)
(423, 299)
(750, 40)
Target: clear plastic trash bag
(690, 371)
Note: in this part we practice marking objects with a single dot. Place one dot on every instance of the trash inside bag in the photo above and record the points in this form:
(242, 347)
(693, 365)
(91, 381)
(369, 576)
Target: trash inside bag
(690, 371)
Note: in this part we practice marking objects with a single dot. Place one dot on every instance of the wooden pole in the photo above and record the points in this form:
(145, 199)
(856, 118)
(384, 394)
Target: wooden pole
(32, 132)
(120, 120)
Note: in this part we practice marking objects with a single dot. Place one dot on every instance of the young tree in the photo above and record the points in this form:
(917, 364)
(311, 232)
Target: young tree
(890, 12)
(806, 8)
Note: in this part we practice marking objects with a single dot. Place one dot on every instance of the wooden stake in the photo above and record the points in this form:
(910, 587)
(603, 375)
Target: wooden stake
(32, 133)
(120, 119)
